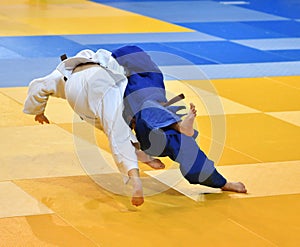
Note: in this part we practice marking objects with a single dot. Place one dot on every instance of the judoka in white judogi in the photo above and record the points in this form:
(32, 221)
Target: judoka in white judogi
(93, 83)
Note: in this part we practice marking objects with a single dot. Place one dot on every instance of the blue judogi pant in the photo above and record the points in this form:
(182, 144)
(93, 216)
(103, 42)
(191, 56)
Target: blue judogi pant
(152, 121)
(167, 142)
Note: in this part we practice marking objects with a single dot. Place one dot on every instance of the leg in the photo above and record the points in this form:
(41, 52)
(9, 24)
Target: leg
(196, 167)
(194, 164)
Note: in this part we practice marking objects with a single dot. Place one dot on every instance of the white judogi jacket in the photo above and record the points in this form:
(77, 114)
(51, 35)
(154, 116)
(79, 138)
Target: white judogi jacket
(95, 94)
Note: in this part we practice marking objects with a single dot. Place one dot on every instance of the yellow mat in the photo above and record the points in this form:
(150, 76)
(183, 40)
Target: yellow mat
(74, 17)
(249, 126)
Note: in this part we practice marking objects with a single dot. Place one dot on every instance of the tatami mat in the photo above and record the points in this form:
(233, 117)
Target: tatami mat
(292, 117)
(63, 18)
(57, 110)
(11, 113)
(263, 179)
(104, 213)
(16, 202)
(240, 131)
(207, 100)
(237, 61)
(41, 230)
(37, 151)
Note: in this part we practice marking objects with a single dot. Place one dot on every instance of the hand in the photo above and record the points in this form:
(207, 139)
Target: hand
(137, 196)
(155, 164)
(142, 156)
(41, 118)
(147, 159)
(137, 201)
(137, 187)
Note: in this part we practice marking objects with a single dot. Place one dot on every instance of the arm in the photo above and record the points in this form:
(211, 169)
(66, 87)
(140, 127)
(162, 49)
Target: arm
(39, 91)
(120, 137)
(126, 159)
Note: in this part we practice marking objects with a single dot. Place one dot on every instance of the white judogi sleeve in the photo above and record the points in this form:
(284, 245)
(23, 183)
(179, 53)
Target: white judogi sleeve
(105, 100)
(119, 134)
(53, 84)
(105, 92)
(39, 91)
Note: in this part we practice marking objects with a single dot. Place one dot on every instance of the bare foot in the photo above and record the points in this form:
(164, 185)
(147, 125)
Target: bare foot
(235, 187)
(156, 164)
(186, 126)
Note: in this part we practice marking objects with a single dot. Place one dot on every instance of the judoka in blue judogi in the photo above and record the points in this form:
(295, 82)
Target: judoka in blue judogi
(146, 112)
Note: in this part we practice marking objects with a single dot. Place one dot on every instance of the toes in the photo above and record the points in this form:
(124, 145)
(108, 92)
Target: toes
(193, 109)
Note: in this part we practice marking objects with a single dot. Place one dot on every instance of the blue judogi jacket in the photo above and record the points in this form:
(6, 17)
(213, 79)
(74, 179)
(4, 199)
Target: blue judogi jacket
(145, 90)
(142, 100)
